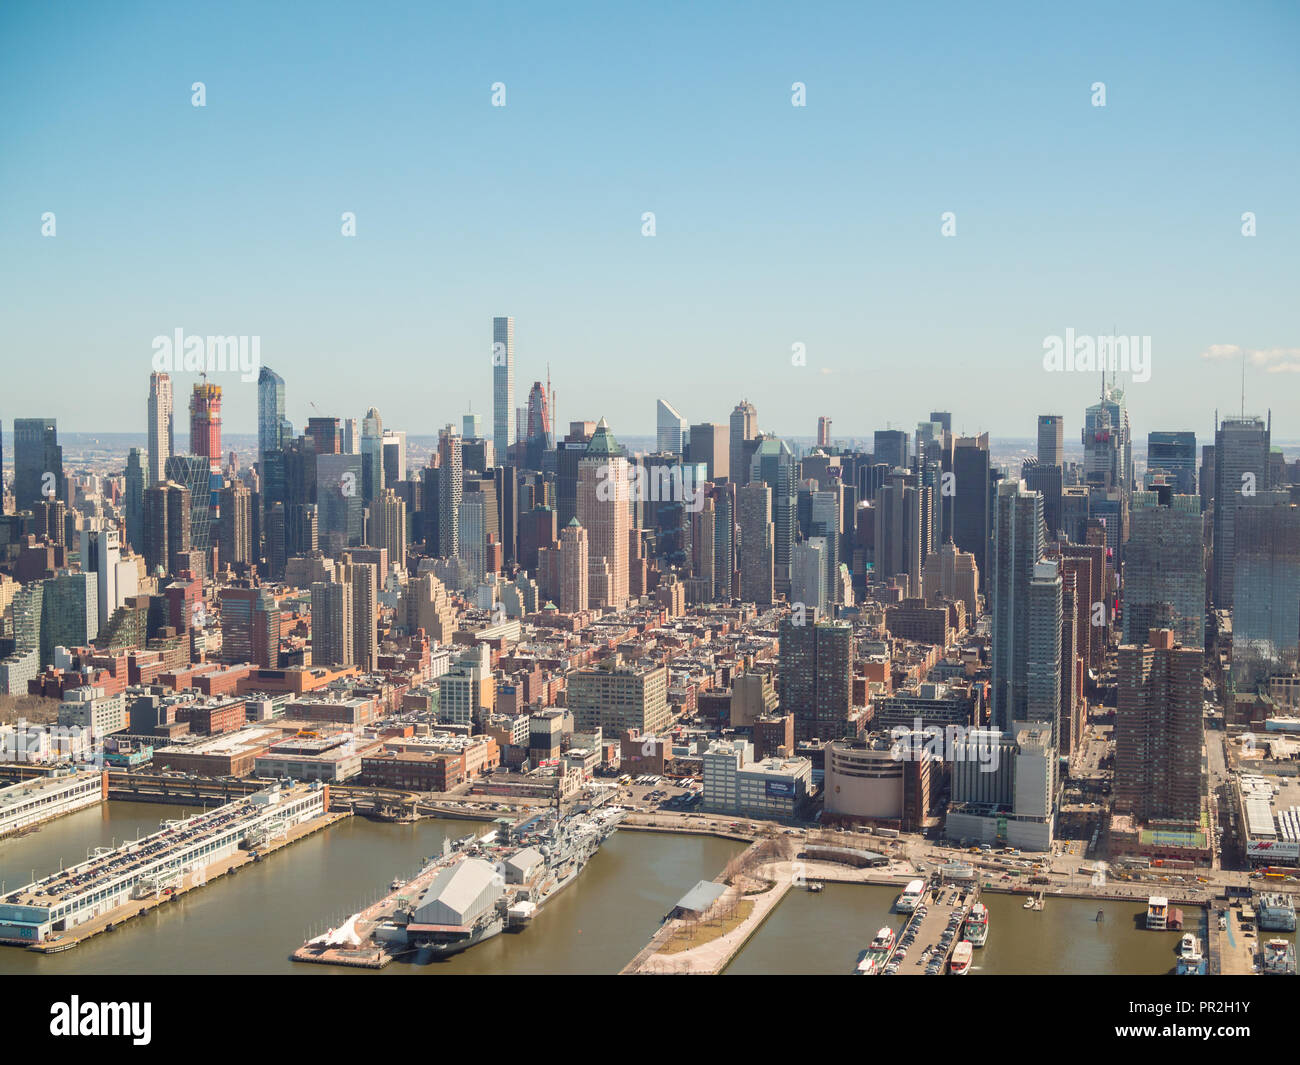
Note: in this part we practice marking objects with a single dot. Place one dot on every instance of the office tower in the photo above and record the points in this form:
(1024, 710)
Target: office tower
(349, 436)
(1266, 592)
(1051, 440)
(725, 541)
(809, 577)
(537, 529)
(1159, 730)
(162, 438)
(38, 462)
(1046, 481)
(703, 550)
(101, 551)
(567, 457)
(1071, 722)
(388, 526)
(250, 627)
(1164, 568)
(394, 444)
(539, 440)
(951, 574)
(573, 575)
(971, 496)
(195, 473)
(1207, 476)
(1017, 548)
(133, 503)
(167, 517)
(332, 618)
(472, 534)
(450, 490)
(944, 418)
(338, 500)
(604, 510)
(503, 382)
(326, 435)
(471, 426)
(898, 535)
(755, 554)
(69, 612)
(1108, 443)
(363, 577)
(372, 456)
(670, 429)
(1044, 605)
(824, 521)
(815, 678)
(1241, 450)
(270, 412)
(615, 697)
(774, 464)
(235, 525)
(890, 447)
(205, 423)
(823, 432)
(1174, 455)
(744, 427)
(709, 444)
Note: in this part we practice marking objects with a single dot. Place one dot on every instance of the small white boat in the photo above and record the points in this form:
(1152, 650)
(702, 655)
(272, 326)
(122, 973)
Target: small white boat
(961, 958)
(816, 887)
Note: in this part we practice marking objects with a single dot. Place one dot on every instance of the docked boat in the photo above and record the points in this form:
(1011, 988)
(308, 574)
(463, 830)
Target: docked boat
(1191, 962)
(1277, 958)
(816, 887)
(962, 954)
(976, 927)
(1157, 913)
(910, 899)
(1276, 912)
(873, 961)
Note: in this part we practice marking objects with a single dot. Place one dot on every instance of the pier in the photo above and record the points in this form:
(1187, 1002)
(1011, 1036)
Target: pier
(941, 903)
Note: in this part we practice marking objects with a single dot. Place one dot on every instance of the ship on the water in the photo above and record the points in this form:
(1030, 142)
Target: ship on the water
(910, 898)
(1276, 912)
(1277, 958)
(488, 886)
(977, 925)
(1191, 961)
(959, 964)
(477, 888)
(876, 955)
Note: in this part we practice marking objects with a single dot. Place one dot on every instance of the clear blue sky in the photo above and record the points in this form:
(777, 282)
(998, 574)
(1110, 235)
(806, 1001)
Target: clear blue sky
(775, 225)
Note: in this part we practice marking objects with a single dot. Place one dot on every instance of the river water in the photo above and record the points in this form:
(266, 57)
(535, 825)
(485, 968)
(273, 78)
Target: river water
(251, 922)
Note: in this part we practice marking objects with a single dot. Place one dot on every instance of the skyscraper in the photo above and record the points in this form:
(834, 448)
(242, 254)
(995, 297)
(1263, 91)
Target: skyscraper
(744, 427)
(670, 429)
(450, 488)
(815, 678)
(162, 441)
(1043, 647)
(1017, 548)
(332, 618)
(133, 502)
(823, 432)
(774, 464)
(1241, 450)
(205, 423)
(167, 515)
(709, 444)
(754, 507)
(38, 462)
(970, 498)
(1051, 440)
(270, 412)
(604, 510)
(573, 575)
(372, 455)
(503, 382)
(1164, 568)
(1266, 592)
(890, 447)
(338, 499)
(1174, 454)
(388, 526)
(1159, 730)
